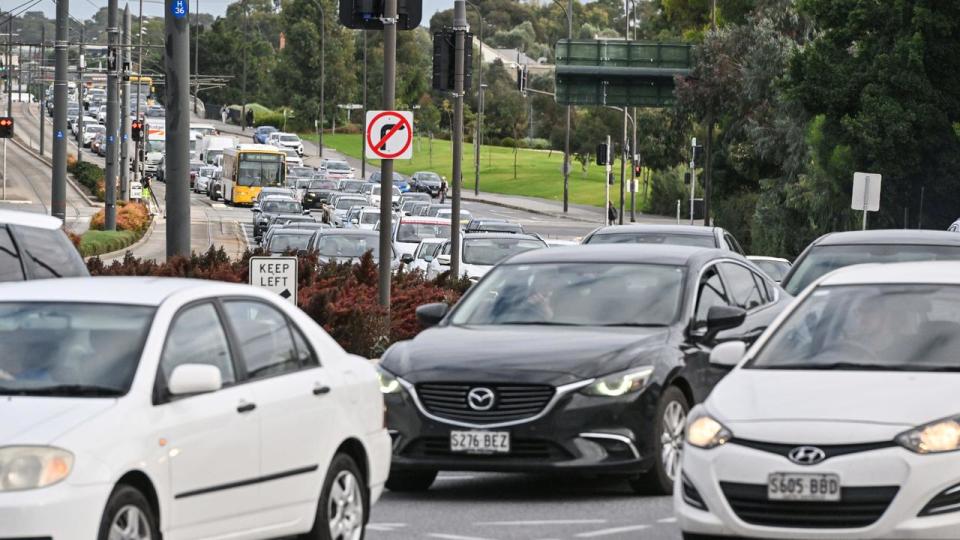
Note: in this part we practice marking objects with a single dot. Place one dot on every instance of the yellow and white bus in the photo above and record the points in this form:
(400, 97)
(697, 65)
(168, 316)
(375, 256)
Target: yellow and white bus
(249, 167)
(147, 91)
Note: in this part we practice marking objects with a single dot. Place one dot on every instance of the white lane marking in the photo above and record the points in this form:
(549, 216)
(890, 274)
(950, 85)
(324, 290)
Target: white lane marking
(667, 520)
(455, 537)
(615, 530)
(385, 527)
(456, 477)
(218, 205)
(542, 522)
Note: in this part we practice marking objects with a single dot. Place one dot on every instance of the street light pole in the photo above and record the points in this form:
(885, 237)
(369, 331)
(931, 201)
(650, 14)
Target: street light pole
(363, 153)
(566, 144)
(196, 57)
(478, 138)
(323, 75)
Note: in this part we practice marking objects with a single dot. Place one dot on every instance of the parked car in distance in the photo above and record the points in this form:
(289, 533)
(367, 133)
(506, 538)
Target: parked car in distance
(367, 218)
(195, 408)
(493, 225)
(90, 132)
(350, 185)
(410, 208)
(836, 250)
(683, 235)
(873, 453)
(447, 213)
(34, 246)
(270, 207)
(288, 141)
(427, 182)
(348, 245)
(571, 360)
(372, 192)
(425, 253)
(480, 252)
(336, 169)
(775, 267)
(288, 240)
(262, 133)
(409, 231)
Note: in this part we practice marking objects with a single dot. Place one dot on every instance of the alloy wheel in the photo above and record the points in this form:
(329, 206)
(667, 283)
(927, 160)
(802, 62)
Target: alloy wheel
(345, 508)
(130, 523)
(671, 438)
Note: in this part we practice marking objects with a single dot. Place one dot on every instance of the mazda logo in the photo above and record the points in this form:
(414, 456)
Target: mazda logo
(807, 455)
(481, 399)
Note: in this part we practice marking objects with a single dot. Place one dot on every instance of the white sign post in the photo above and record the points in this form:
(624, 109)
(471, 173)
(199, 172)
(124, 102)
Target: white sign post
(278, 274)
(866, 194)
(389, 135)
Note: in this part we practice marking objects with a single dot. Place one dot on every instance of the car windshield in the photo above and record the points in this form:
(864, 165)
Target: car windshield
(429, 178)
(370, 218)
(342, 245)
(156, 146)
(415, 232)
(821, 260)
(869, 327)
(338, 166)
(282, 207)
(351, 187)
(490, 251)
(281, 243)
(70, 349)
(345, 203)
(289, 138)
(95, 129)
(677, 239)
(323, 184)
(428, 249)
(575, 294)
(775, 269)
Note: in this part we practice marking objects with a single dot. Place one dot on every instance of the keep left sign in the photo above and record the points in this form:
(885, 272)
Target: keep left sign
(278, 274)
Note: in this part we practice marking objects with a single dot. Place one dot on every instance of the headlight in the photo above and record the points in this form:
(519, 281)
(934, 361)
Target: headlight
(30, 467)
(933, 438)
(620, 384)
(705, 432)
(388, 383)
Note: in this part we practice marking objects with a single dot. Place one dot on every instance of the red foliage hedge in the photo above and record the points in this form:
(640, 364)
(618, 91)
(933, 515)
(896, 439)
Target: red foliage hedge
(343, 298)
(131, 216)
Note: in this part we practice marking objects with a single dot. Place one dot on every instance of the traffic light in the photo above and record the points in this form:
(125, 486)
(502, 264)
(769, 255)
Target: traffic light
(6, 127)
(136, 130)
(522, 78)
(444, 60)
(367, 14)
(602, 154)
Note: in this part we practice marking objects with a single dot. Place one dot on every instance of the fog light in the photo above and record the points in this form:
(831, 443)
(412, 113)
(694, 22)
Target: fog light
(945, 502)
(690, 494)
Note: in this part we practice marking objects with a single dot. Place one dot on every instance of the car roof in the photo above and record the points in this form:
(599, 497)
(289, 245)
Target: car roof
(29, 219)
(502, 235)
(890, 236)
(142, 291)
(766, 258)
(926, 272)
(423, 220)
(620, 253)
(279, 197)
(349, 232)
(656, 228)
(293, 231)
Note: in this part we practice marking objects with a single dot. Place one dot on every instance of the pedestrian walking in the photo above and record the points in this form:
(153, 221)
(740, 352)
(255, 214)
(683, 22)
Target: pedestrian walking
(612, 213)
(249, 117)
(224, 113)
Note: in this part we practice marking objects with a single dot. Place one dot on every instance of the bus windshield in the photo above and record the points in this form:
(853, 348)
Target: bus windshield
(260, 170)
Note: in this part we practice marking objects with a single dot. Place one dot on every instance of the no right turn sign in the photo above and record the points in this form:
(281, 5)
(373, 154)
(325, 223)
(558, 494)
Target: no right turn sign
(389, 135)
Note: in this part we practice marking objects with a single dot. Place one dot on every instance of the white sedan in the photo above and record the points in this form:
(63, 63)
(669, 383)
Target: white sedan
(135, 407)
(841, 421)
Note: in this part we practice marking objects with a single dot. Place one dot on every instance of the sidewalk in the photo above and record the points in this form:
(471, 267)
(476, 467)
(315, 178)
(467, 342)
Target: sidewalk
(533, 205)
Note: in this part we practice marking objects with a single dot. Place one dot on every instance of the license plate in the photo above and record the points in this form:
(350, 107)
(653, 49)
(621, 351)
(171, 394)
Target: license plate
(803, 487)
(480, 442)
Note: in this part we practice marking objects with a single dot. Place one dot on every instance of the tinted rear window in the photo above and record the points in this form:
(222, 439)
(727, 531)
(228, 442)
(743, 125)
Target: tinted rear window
(50, 254)
(10, 269)
(676, 239)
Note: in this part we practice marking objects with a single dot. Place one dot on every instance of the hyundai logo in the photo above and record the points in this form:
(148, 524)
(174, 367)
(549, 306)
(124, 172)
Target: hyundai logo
(481, 399)
(807, 455)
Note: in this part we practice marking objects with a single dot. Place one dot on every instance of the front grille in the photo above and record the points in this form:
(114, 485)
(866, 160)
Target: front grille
(511, 402)
(831, 450)
(534, 449)
(857, 507)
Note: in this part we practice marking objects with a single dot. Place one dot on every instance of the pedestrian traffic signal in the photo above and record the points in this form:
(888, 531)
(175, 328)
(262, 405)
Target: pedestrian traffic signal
(444, 60)
(602, 154)
(522, 78)
(136, 130)
(6, 127)
(368, 14)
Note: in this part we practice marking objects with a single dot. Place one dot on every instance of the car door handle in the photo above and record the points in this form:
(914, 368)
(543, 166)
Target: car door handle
(245, 407)
(321, 390)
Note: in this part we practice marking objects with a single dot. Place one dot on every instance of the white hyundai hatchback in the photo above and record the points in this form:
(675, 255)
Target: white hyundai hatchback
(842, 421)
(132, 408)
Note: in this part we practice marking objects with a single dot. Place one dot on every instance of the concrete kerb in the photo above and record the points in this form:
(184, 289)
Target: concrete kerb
(526, 209)
(49, 163)
(120, 253)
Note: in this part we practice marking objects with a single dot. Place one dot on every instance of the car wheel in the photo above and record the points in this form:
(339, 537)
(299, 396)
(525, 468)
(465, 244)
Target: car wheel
(344, 506)
(411, 480)
(670, 427)
(128, 517)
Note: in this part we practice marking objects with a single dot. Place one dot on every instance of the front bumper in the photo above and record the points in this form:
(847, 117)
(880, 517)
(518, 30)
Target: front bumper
(909, 480)
(574, 433)
(59, 512)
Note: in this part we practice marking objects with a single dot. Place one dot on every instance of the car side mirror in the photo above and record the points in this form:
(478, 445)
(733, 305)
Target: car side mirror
(406, 258)
(443, 260)
(431, 314)
(194, 379)
(728, 354)
(720, 318)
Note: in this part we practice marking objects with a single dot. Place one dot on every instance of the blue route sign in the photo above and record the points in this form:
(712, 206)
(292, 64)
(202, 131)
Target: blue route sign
(179, 8)
(59, 134)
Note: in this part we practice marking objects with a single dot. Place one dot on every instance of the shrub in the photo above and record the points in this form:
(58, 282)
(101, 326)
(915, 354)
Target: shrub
(268, 119)
(536, 144)
(667, 187)
(99, 242)
(342, 298)
(88, 175)
(131, 216)
(508, 142)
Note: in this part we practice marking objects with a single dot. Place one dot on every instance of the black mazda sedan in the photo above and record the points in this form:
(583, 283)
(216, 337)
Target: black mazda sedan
(583, 359)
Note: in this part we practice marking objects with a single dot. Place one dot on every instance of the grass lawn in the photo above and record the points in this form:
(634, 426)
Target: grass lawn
(99, 242)
(539, 173)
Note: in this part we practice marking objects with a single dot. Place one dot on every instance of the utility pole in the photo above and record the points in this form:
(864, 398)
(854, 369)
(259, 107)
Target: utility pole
(566, 144)
(633, 171)
(363, 153)
(113, 57)
(323, 77)
(386, 166)
(196, 57)
(9, 71)
(693, 175)
(58, 188)
(478, 138)
(81, 111)
(43, 83)
(608, 173)
(460, 28)
(137, 177)
(125, 109)
(177, 175)
(623, 140)
(243, 84)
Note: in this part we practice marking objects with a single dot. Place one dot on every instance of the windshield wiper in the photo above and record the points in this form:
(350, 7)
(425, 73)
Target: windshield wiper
(63, 389)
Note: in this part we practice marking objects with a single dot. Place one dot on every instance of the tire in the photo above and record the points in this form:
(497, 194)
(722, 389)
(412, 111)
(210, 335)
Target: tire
(411, 480)
(669, 427)
(128, 509)
(353, 513)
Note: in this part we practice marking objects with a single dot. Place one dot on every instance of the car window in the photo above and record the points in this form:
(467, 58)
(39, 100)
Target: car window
(743, 287)
(732, 242)
(305, 353)
(10, 269)
(265, 338)
(710, 292)
(197, 337)
(49, 254)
